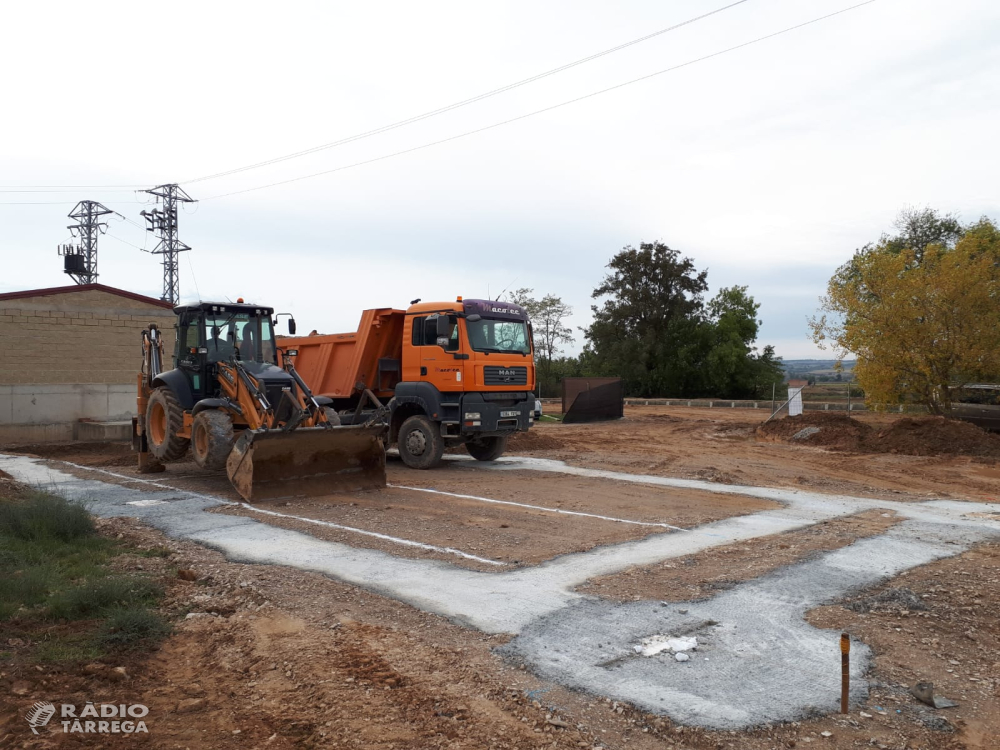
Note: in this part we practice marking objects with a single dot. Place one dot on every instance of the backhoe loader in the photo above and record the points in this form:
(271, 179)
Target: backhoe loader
(228, 400)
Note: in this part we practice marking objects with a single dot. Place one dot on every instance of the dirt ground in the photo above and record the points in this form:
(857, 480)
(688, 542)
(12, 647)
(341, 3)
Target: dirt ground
(511, 534)
(720, 568)
(272, 657)
(722, 445)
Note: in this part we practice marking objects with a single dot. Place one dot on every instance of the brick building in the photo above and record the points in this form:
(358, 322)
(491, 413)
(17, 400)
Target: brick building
(69, 354)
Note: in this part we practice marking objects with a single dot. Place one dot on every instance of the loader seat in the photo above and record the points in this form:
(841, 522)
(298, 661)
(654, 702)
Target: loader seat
(247, 349)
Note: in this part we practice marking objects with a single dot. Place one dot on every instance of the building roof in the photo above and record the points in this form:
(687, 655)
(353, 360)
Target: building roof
(84, 288)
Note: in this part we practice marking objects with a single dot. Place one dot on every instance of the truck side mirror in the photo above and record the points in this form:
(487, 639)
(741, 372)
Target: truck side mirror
(291, 326)
(443, 327)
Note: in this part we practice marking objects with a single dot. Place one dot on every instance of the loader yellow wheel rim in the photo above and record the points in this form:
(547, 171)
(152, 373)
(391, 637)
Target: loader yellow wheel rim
(158, 423)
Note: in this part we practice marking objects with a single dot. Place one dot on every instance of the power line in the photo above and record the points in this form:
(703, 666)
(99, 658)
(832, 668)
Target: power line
(68, 189)
(52, 203)
(546, 109)
(125, 242)
(465, 102)
(133, 223)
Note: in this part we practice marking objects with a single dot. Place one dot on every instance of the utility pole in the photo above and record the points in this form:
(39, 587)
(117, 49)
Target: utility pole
(163, 223)
(80, 260)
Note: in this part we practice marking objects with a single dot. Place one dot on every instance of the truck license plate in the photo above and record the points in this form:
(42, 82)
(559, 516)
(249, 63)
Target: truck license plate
(510, 414)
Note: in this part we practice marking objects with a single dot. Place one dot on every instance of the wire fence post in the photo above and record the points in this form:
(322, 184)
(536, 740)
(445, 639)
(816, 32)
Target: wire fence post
(772, 399)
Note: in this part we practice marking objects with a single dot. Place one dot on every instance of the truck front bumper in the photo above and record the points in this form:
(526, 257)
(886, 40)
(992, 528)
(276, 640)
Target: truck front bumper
(486, 416)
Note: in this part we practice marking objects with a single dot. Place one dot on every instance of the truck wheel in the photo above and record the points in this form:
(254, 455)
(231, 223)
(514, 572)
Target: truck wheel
(420, 443)
(211, 438)
(486, 448)
(164, 419)
(332, 418)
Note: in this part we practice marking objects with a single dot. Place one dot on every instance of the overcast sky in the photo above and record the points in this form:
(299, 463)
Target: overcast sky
(767, 165)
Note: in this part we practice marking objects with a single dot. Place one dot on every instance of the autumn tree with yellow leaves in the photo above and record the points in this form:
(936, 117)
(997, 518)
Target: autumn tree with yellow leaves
(920, 311)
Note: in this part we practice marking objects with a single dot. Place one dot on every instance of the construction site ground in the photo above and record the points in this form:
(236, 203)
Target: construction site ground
(477, 606)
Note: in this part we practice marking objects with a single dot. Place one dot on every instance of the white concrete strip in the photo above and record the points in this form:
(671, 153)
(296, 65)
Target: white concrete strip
(221, 501)
(538, 507)
(136, 480)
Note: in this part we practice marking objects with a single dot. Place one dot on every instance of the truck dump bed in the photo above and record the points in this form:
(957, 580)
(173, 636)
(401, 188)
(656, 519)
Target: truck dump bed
(341, 365)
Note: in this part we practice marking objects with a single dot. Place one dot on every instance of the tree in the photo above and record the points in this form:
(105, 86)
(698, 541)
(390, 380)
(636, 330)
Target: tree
(549, 331)
(655, 331)
(921, 318)
(917, 229)
(734, 368)
(647, 329)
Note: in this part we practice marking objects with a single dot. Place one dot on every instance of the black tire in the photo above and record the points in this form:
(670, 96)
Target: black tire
(332, 417)
(211, 438)
(420, 443)
(164, 419)
(487, 448)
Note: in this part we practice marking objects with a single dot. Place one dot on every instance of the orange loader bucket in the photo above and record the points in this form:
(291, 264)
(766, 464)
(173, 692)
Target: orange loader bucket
(309, 462)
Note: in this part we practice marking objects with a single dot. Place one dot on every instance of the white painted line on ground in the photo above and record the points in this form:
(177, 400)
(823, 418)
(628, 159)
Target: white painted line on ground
(386, 537)
(145, 503)
(136, 480)
(539, 507)
(397, 540)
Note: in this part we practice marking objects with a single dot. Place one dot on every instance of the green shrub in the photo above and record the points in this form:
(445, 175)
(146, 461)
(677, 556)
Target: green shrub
(129, 626)
(95, 597)
(26, 587)
(40, 516)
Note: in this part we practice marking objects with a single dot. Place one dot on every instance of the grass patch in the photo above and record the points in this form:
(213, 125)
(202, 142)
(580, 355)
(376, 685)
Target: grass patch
(131, 626)
(97, 597)
(68, 648)
(551, 418)
(54, 567)
(40, 516)
(152, 552)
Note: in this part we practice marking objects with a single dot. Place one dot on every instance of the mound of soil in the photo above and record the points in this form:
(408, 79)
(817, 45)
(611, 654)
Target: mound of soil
(833, 431)
(910, 436)
(929, 436)
(534, 440)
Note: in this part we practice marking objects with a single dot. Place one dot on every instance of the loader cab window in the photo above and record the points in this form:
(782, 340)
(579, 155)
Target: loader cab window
(220, 335)
(256, 341)
(238, 334)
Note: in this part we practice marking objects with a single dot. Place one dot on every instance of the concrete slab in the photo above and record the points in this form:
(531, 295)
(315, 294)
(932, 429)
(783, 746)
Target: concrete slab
(103, 432)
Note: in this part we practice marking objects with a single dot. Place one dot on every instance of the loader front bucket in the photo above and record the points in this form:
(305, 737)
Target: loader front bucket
(309, 461)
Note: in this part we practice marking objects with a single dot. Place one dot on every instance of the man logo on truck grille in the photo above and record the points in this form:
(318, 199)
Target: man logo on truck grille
(510, 373)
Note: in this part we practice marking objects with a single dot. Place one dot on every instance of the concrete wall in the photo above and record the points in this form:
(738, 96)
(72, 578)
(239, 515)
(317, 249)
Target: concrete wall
(71, 356)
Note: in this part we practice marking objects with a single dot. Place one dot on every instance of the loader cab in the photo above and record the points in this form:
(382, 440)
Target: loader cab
(213, 332)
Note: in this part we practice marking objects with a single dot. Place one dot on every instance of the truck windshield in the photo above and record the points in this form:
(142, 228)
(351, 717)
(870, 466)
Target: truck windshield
(488, 335)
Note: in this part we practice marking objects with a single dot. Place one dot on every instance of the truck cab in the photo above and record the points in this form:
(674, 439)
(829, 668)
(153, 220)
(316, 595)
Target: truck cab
(448, 373)
(470, 365)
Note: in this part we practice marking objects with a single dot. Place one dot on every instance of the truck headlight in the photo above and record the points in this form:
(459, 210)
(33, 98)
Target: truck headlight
(473, 415)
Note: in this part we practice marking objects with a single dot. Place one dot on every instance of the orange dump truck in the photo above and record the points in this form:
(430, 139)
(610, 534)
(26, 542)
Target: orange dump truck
(437, 375)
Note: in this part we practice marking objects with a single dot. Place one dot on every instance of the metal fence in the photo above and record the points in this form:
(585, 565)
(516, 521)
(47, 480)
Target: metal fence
(592, 399)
